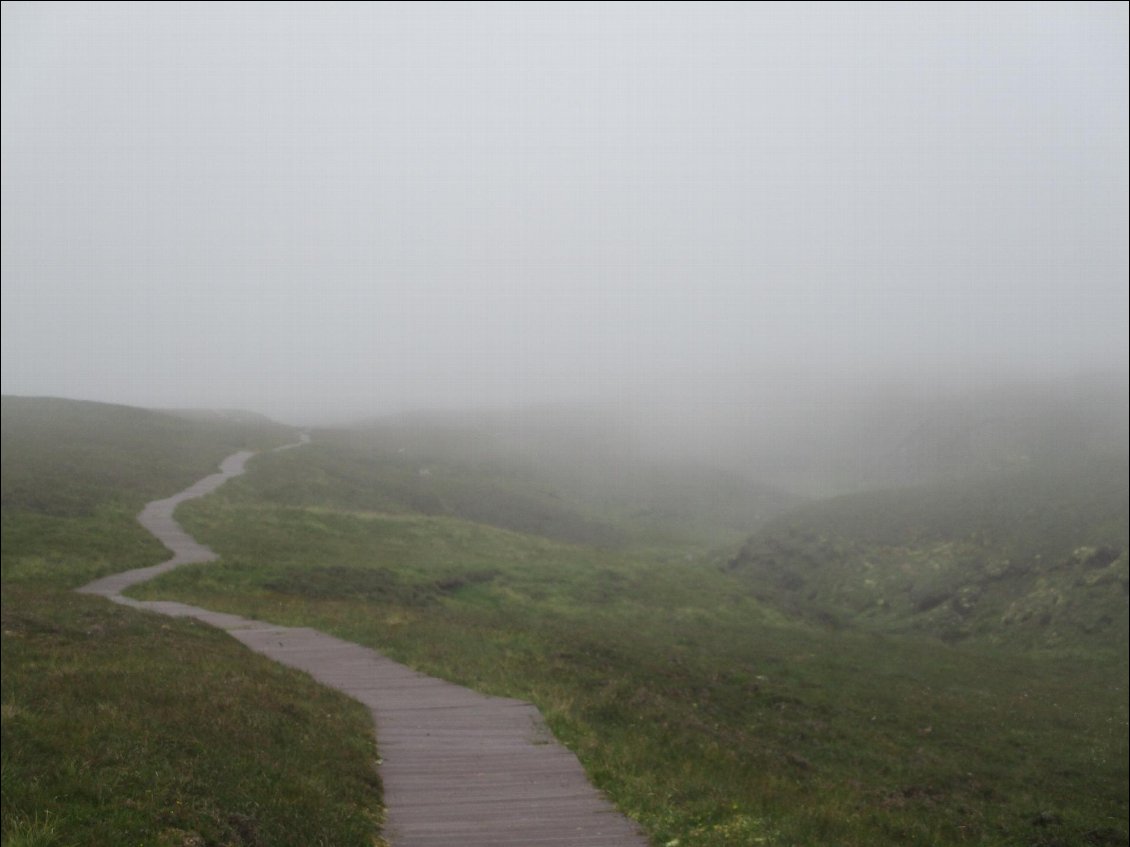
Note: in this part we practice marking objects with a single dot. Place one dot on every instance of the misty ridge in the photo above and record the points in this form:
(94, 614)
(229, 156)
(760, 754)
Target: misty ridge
(812, 437)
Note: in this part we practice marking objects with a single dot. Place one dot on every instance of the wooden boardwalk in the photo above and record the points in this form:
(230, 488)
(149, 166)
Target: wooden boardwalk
(460, 769)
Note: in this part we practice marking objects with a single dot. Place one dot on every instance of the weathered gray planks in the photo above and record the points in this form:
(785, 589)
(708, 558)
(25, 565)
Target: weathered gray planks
(460, 769)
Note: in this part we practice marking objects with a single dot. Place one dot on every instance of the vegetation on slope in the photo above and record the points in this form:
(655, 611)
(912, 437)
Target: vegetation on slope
(1034, 558)
(121, 727)
(124, 727)
(555, 481)
(710, 717)
(67, 458)
(75, 475)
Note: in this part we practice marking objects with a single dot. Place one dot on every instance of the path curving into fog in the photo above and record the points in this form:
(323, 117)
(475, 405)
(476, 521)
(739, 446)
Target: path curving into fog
(460, 769)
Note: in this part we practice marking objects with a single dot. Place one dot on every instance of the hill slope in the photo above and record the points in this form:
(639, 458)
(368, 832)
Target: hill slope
(702, 712)
(1035, 557)
(121, 727)
(65, 457)
(554, 477)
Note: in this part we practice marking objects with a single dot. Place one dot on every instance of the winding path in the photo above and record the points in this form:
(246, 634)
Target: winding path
(460, 769)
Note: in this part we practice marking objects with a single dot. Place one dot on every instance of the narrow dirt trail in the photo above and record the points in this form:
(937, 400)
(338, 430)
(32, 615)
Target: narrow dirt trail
(460, 769)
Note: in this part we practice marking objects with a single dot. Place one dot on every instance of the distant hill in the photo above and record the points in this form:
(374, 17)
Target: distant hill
(65, 457)
(839, 438)
(239, 417)
(1033, 557)
(544, 473)
(994, 430)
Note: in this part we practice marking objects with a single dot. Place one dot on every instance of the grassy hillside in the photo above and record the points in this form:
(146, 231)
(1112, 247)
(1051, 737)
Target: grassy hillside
(710, 717)
(713, 704)
(540, 475)
(75, 475)
(1034, 558)
(123, 727)
(68, 457)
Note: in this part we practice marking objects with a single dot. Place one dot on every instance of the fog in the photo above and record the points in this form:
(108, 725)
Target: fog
(336, 210)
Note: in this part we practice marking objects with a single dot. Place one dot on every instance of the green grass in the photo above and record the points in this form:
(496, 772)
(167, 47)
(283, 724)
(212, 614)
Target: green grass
(121, 727)
(68, 458)
(707, 716)
(75, 475)
(586, 493)
(1035, 558)
(710, 716)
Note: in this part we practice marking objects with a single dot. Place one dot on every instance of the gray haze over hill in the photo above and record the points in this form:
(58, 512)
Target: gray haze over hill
(328, 210)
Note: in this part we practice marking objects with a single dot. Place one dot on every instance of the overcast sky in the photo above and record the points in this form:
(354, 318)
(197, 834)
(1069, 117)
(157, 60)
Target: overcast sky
(299, 208)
